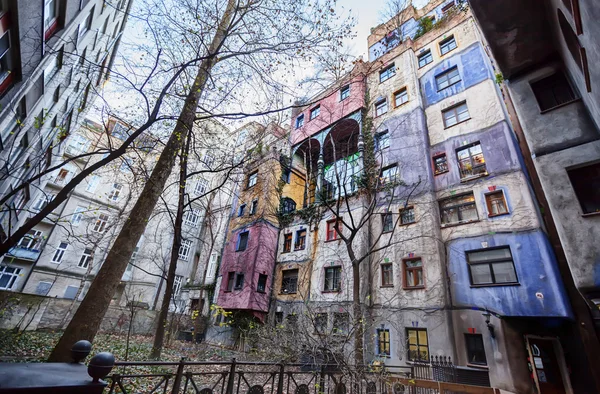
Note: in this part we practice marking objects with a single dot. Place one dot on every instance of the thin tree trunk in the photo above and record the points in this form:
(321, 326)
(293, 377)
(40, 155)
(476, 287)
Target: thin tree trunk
(89, 315)
(159, 335)
(357, 312)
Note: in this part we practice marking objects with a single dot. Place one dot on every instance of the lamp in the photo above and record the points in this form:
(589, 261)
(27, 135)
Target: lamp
(490, 326)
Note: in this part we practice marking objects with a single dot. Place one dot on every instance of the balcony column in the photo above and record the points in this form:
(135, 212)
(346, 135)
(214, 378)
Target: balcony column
(320, 166)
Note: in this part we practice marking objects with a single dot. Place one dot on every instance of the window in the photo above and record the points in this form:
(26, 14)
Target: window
(471, 163)
(86, 258)
(192, 217)
(84, 97)
(241, 210)
(491, 266)
(286, 175)
(115, 192)
(253, 207)
(387, 73)
(126, 164)
(239, 282)
(212, 265)
(459, 209)
(278, 318)
(71, 292)
(571, 40)
(288, 205)
(209, 160)
(43, 288)
(230, 281)
(42, 201)
(333, 278)
(475, 349)
(418, 344)
(440, 164)
(496, 204)
(400, 97)
(300, 121)
(184, 249)
(242, 241)
(252, 178)
(448, 7)
(388, 174)
(93, 182)
(387, 221)
(51, 69)
(60, 252)
(341, 323)
(5, 56)
(425, 58)
(315, 112)
(382, 140)
(381, 107)
(344, 92)
(78, 144)
(321, 323)
(84, 26)
(62, 176)
(101, 223)
(77, 216)
(456, 114)
(50, 17)
(447, 78)
(413, 274)
(553, 91)
(287, 242)
(261, 287)
(31, 240)
(289, 281)
(55, 98)
(300, 243)
(383, 342)
(586, 183)
(333, 226)
(447, 45)
(201, 186)
(8, 276)
(177, 282)
(387, 275)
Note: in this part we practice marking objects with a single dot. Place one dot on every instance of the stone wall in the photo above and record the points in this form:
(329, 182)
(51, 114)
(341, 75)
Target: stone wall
(34, 312)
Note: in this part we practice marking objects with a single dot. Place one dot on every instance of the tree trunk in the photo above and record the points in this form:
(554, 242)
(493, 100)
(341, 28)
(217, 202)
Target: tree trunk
(89, 315)
(357, 312)
(161, 322)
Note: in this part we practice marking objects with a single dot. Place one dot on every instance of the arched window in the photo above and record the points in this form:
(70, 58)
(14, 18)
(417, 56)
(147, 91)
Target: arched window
(570, 39)
(288, 205)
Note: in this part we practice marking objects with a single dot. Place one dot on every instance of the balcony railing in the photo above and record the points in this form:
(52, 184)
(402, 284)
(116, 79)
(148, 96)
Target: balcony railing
(24, 253)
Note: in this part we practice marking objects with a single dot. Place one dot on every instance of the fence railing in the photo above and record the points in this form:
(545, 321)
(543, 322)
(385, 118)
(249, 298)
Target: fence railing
(235, 377)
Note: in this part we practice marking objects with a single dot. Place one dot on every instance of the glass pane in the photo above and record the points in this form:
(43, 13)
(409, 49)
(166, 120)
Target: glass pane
(419, 278)
(410, 278)
(423, 353)
(412, 338)
(481, 274)
(422, 337)
(504, 272)
(449, 118)
(463, 113)
(4, 281)
(450, 215)
(468, 212)
(414, 263)
(490, 254)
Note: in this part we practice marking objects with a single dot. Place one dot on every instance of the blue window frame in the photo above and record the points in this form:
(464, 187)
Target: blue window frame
(344, 92)
(242, 242)
(387, 73)
(300, 121)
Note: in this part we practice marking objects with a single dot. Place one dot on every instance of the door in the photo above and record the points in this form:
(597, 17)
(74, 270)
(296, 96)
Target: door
(547, 365)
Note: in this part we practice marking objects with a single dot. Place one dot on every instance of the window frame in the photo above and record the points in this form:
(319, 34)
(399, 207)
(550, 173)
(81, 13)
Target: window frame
(253, 207)
(472, 162)
(387, 72)
(415, 270)
(300, 236)
(13, 276)
(470, 351)
(393, 177)
(59, 252)
(239, 281)
(86, 258)
(314, 112)
(262, 278)
(299, 121)
(115, 192)
(454, 109)
(418, 344)
(444, 168)
(446, 78)
(335, 281)
(241, 210)
(230, 281)
(423, 55)
(239, 241)
(579, 182)
(460, 221)
(252, 179)
(381, 107)
(490, 263)
(387, 268)
(488, 203)
(77, 215)
(345, 92)
(285, 282)
(386, 342)
(387, 222)
(402, 211)
(185, 250)
(377, 140)
(101, 223)
(332, 235)
(404, 92)
(445, 42)
(539, 90)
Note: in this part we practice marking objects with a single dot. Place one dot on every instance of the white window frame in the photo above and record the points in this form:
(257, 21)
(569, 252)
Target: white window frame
(84, 26)
(86, 258)
(59, 253)
(78, 144)
(184, 250)
(201, 186)
(212, 265)
(209, 160)
(77, 216)
(47, 7)
(115, 192)
(177, 283)
(101, 223)
(14, 275)
(93, 182)
(31, 239)
(192, 217)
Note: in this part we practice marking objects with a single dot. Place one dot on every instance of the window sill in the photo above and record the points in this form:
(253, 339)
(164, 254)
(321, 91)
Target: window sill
(386, 231)
(401, 105)
(455, 124)
(498, 214)
(380, 115)
(332, 240)
(406, 224)
(290, 293)
(413, 287)
(299, 249)
(425, 65)
(497, 285)
(384, 356)
(439, 90)
(444, 54)
(560, 106)
(261, 292)
(386, 286)
(440, 173)
(478, 366)
(286, 251)
(459, 223)
(587, 215)
(473, 177)
(331, 291)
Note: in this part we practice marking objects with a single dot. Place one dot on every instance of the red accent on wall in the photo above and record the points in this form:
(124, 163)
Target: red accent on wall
(471, 330)
(491, 188)
(5, 22)
(51, 30)
(8, 81)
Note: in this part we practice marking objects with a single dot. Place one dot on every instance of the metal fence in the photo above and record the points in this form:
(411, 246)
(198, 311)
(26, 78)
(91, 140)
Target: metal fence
(234, 377)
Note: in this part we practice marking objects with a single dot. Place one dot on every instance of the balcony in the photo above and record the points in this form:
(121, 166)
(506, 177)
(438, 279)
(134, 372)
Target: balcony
(22, 253)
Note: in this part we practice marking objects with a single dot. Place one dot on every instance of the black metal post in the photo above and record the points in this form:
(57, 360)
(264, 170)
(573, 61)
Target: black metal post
(231, 379)
(280, 382)
(178, 376)
(322, 380)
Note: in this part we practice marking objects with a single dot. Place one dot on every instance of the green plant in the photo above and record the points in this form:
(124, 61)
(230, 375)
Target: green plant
(425, 24)
(499, 78)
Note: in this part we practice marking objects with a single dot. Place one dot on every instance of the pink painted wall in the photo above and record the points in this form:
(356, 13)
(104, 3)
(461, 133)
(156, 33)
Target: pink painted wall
(258, 258)
(332, 110)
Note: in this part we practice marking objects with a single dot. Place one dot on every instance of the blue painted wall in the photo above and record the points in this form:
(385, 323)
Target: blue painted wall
(472, 68)
(536, 270)
(499, 151)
